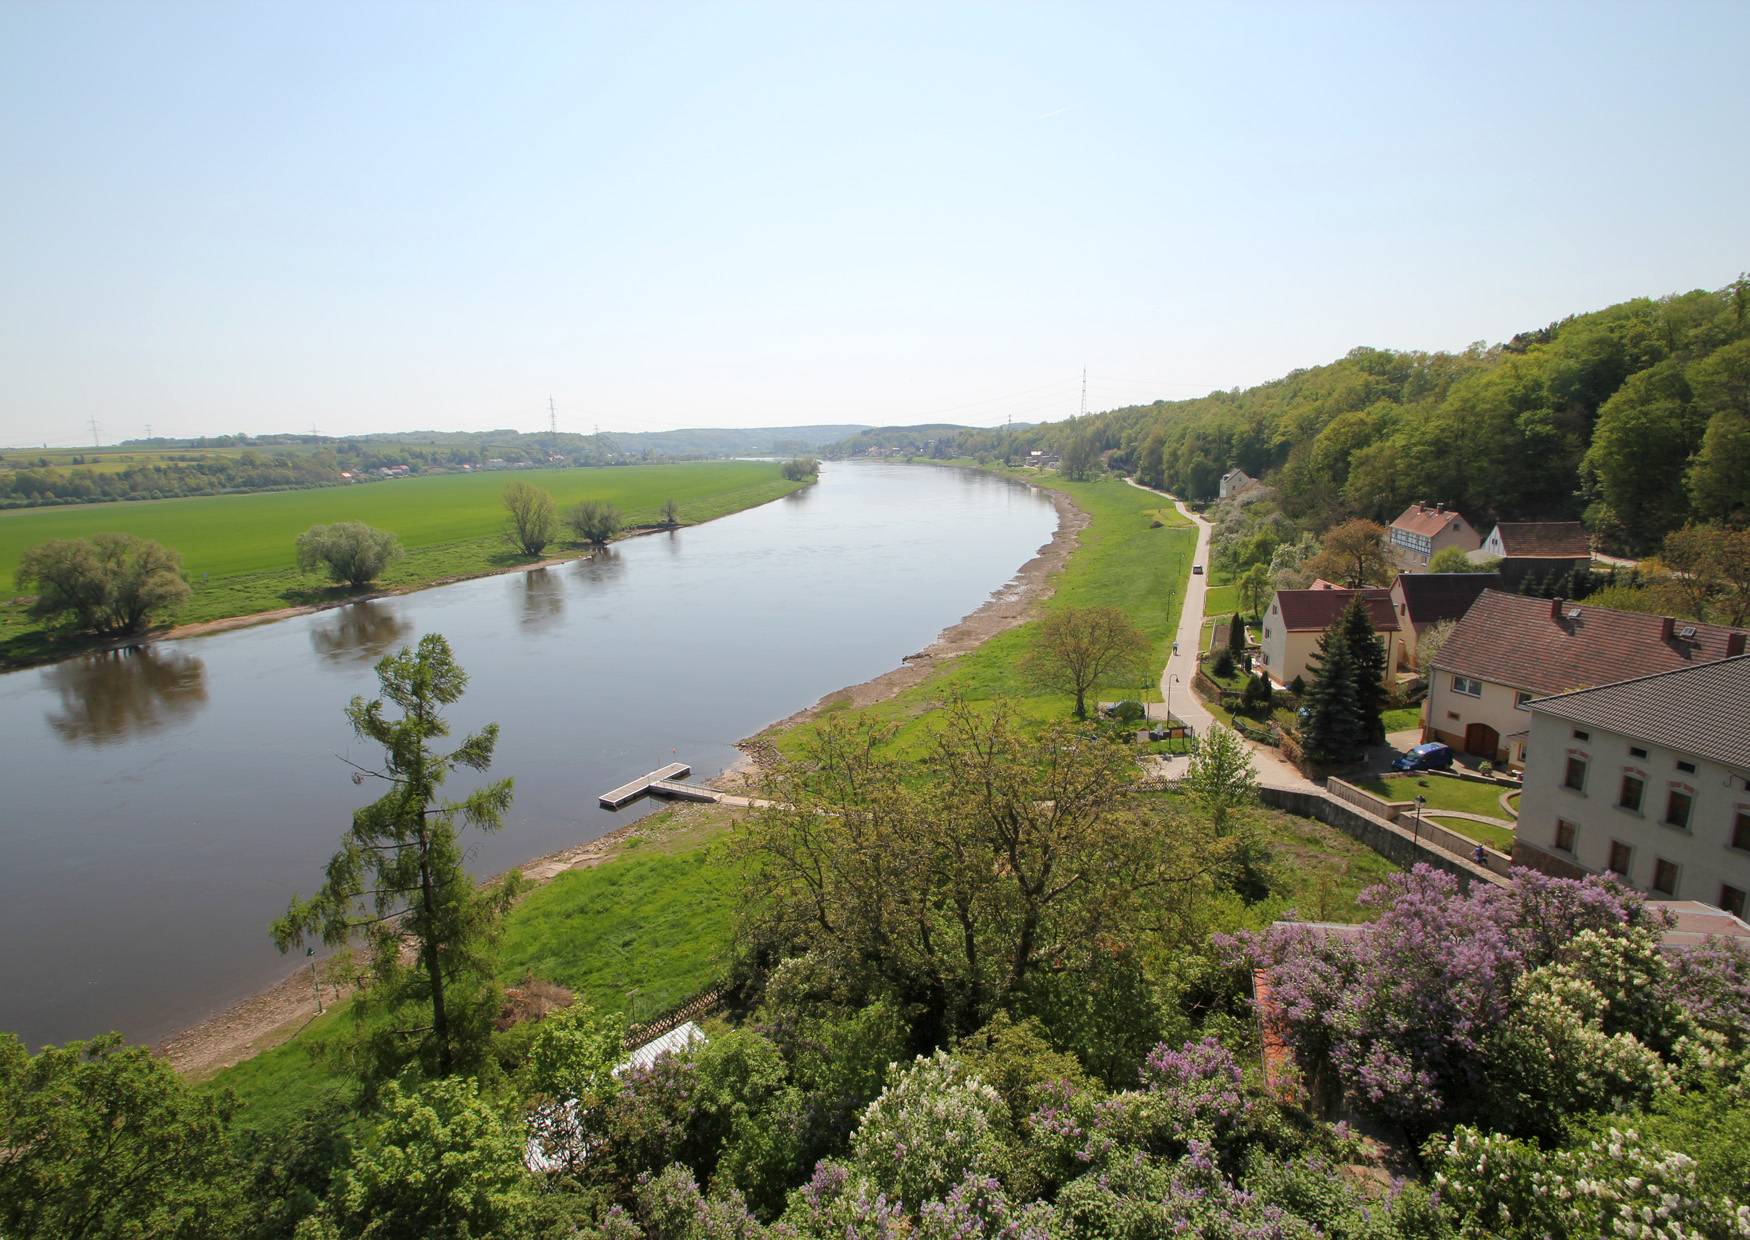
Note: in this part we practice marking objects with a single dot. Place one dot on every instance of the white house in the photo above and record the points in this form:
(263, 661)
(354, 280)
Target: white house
(1648, 778)
(1296, 618)
(1420, 531)
(1234, 481)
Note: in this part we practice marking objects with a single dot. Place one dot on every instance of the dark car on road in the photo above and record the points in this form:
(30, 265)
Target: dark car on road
(1432, 756)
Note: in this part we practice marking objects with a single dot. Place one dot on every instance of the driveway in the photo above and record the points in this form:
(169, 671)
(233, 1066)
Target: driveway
(1269, 765)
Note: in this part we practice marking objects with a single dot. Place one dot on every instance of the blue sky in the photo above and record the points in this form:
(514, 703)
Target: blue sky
(265, 216)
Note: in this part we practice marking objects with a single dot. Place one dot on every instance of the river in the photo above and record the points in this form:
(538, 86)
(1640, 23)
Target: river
(163, 804)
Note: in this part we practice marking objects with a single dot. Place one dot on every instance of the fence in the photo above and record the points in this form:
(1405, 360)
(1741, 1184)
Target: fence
(699, 1004)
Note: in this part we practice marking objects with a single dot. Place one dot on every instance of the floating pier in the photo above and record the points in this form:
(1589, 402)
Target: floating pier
(626, 793)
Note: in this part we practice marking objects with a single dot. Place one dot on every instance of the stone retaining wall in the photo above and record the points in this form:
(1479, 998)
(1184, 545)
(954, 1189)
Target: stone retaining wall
(1394, 843)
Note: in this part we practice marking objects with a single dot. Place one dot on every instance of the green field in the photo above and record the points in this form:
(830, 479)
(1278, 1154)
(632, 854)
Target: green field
(238, 550)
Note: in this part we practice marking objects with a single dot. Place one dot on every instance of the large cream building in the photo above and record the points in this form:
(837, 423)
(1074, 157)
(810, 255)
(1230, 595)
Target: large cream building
(1648, 778)
(1297, 618)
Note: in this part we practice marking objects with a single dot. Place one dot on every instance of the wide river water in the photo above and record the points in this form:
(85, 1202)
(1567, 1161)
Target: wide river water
(163, 804)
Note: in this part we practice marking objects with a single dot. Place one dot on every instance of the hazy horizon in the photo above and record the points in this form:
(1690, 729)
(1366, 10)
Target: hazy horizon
(398, 217)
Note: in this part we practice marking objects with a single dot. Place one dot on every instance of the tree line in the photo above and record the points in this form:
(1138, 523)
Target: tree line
(1635, 419)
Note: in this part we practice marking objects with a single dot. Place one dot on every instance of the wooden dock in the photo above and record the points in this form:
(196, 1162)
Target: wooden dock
(631, 791)
(683, 792)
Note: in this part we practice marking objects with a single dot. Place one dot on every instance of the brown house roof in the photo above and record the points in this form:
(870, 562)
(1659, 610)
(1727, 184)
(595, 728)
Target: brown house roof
(1421, 519)
(1543, 646)
(1304, 610)
(1700, 710)
(1430, 598)
(1548, 539)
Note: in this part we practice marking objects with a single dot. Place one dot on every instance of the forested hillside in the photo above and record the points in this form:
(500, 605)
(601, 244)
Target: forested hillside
(1635, 418)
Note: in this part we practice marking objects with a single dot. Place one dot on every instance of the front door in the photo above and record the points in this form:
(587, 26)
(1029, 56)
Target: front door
(1481, 741)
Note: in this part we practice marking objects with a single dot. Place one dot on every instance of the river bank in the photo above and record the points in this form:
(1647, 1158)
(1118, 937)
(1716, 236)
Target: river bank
(247, 539)
(279, 1012)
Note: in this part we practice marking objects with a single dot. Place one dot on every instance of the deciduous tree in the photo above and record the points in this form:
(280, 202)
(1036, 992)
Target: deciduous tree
(1220, 778)
(108, 583)
(1076, 648)
(595, 521)
(533, 520)
(399, 877)
(350, 552)
(1353, 554)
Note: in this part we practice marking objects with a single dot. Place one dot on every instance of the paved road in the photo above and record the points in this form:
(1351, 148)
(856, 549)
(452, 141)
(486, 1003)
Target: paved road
(1270, 766)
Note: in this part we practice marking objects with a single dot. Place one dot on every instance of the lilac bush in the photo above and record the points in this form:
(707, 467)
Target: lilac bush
(933, 1125)
(1402, 1014)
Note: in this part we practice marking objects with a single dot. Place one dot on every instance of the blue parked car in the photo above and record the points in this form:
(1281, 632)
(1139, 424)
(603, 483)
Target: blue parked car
(1432, 756)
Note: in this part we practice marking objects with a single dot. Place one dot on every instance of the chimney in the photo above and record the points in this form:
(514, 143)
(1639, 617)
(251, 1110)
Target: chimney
(1440, 507)
(1555, 609)
(1667, 628)
(1734, 644)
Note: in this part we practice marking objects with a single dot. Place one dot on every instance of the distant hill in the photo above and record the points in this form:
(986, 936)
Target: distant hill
(736, 441)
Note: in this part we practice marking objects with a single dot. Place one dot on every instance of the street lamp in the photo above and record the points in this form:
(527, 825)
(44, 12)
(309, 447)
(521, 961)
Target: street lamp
(1420, 802)
(1171, 680)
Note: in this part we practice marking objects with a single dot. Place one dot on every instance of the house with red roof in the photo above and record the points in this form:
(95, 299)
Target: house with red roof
(1536, 548)
(1296, 618)
(1421, 530)
(1509, 649)
(1423, 600)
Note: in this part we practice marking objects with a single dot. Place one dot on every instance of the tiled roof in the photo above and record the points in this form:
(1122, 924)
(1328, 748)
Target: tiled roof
(1548, 539)
(1432, 597)
(1701, 710)
(1421, 519)
(1304, 610)
(1536, 645)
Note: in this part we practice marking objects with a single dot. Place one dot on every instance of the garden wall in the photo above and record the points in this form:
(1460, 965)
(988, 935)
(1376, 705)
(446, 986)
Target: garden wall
(1389, 840)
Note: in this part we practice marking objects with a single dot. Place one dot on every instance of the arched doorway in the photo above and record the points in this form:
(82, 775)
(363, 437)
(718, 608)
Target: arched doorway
(1481, 741)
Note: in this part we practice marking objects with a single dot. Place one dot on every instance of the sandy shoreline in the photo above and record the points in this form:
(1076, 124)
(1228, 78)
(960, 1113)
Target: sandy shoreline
(277, 1013)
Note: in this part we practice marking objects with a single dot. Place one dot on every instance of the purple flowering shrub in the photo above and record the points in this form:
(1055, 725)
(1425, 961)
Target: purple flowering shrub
(837, 1204)
(1403, 1015)
(978, 1208)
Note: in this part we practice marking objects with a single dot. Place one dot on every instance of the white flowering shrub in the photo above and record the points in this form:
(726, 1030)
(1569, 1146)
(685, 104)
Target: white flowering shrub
(932, 1125)
(1617, 1185)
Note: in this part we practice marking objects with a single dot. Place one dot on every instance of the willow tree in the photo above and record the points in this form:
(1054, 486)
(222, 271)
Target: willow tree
(398, 885)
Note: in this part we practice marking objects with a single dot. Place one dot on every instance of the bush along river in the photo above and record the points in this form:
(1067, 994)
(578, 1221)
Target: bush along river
(163, 803)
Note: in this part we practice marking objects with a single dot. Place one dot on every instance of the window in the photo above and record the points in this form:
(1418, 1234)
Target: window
(1677, 809)
(1576, 776)
(1582, 736)
(1636, 751)
(1688, 767)
(1467, 686)
(1732, 900)
(1665, 877)
(1565, 835)
(1633, 787)
(1741, 831)
(1520, 699)
(1620, 855)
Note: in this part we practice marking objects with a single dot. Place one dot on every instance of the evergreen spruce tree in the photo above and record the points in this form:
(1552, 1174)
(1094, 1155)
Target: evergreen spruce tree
(1236, 634)
(1367, 656)
(1336, 730)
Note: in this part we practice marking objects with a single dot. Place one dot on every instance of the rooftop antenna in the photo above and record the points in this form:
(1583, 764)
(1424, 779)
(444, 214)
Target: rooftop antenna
(552, 417)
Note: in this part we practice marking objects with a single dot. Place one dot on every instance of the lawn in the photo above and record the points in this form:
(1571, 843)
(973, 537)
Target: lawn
(1499, 838)
(1120, 561)
(638, 933)
(238, 550)
(1442, 791)
(1402, 719)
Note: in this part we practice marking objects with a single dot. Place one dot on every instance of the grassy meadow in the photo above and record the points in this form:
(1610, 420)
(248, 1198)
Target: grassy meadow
(238, 550)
